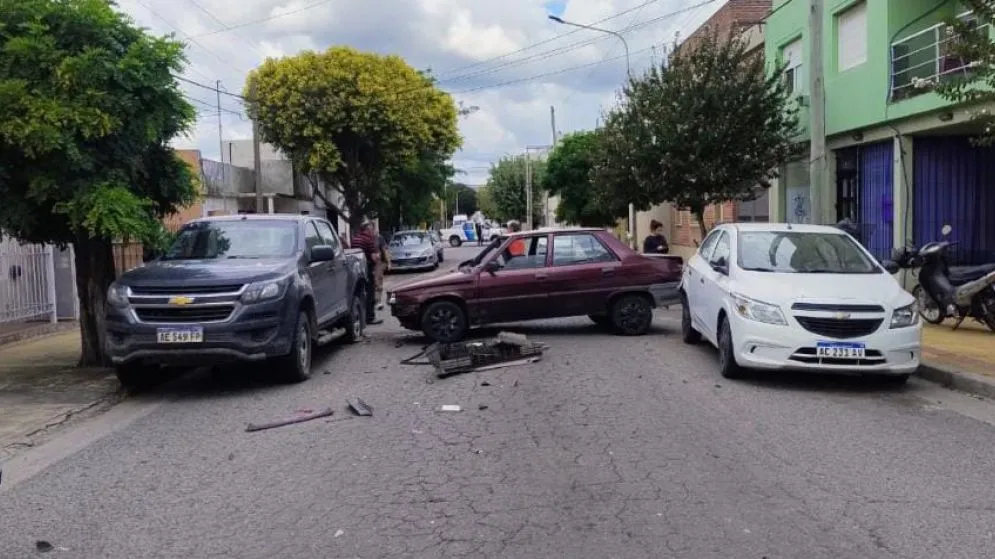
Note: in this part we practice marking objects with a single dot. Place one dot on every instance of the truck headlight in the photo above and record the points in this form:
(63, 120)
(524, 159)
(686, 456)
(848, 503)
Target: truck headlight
(758, 311)
(117, 295)
(265, 291)
(906, 316)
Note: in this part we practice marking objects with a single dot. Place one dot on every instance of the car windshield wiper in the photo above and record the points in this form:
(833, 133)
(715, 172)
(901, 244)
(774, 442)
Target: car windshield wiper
(761, 269)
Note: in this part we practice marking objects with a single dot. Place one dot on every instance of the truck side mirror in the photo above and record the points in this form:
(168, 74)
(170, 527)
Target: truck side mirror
(322, 253)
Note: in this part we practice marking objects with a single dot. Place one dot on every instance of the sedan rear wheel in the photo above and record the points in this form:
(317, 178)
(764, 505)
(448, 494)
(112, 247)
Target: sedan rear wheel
(631, 315)
(444, 322)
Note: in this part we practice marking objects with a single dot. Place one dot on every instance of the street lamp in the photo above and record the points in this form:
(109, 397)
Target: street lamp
(628, 72)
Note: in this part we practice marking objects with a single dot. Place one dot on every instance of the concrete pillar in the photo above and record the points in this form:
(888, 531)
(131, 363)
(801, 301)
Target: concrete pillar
(269, 205)
(902, 194)
(775, 199)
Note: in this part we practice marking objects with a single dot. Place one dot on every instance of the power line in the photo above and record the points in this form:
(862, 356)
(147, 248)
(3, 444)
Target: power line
(262, 20)
(210, 88)
(212, 105)
(223, 24)
(188, 37)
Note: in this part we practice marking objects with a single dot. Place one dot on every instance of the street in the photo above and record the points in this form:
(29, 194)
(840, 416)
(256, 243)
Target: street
(608, 447)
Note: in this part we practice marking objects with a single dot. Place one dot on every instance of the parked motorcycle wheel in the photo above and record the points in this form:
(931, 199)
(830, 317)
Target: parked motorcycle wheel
(929, 309)
(988, 309)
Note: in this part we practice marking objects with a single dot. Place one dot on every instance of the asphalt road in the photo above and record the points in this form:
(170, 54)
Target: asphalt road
(609, 447)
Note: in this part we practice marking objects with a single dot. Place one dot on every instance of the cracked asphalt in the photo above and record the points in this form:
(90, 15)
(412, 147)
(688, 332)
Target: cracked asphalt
(608, 447)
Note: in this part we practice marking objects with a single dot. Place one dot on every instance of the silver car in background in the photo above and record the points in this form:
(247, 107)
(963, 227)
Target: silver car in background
(415, 250)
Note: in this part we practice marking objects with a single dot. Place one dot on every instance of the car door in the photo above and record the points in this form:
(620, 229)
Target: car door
(715, 288)
(694, 276)
(582, 274)
(339, 280)
(517, 289)
(320, 273)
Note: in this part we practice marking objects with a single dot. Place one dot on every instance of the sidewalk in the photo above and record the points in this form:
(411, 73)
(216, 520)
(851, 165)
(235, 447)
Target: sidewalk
(963, 359)
(40, 387)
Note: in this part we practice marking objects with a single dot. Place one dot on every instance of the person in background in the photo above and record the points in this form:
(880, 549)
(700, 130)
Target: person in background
(383, 266)
(480, 233)
(365, 239)
(517, 247)
(655, 242)
(514, 226)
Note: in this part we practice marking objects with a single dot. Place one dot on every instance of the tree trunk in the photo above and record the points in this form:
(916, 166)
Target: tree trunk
(94, 274)
(700, 214)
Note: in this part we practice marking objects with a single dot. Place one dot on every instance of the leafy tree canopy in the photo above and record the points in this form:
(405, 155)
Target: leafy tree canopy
(972, 41)
(704, 128)
(88, 104)
(353, 118)
(466, 197)
(568, 175)
(485, 202)
(415, 187)
(507, 188)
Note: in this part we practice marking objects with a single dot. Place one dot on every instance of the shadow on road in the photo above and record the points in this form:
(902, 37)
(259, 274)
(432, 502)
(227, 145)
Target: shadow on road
(537, 331)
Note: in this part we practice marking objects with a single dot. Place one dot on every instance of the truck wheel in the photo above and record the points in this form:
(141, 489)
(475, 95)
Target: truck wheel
(455, 241)
(444, 322)
(631, 315)
(356, 322)
(296, 365)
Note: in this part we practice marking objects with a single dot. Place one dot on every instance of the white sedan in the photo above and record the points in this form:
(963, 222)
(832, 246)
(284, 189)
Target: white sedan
(803, 297)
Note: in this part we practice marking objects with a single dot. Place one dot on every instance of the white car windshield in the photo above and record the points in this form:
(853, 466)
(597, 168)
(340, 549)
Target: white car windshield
(802, 253)
(410, 239)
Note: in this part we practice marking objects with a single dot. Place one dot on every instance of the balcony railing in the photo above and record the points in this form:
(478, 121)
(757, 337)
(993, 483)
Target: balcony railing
(926, 58)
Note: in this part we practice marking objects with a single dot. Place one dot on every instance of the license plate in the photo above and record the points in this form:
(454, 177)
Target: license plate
(837, 350)
(180, 335)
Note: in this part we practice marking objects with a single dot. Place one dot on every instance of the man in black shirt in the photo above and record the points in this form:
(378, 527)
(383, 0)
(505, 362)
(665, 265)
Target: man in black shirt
(655, 242)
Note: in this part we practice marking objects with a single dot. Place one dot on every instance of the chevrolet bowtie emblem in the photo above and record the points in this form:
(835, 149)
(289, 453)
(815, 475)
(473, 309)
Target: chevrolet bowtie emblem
(180, 300)
(842, 315)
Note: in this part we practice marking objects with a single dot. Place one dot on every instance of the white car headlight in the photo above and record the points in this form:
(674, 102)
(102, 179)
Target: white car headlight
(758, 311)
(265, 291)
(906, 316)
(428, 251)
(117, 295)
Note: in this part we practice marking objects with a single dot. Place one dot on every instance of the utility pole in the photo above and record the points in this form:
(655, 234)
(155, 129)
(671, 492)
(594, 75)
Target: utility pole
(817, 114)
(257, 164)
(528, 190)
(221, 138)
(547, 217)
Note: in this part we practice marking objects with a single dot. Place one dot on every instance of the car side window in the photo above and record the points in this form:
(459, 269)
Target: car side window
(524, 254)
(328, 236)
(722, 249)
(705, 251)
(311, 236)
(576, 249)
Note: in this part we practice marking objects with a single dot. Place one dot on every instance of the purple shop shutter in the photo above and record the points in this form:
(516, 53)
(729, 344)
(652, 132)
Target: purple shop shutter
(877, 198)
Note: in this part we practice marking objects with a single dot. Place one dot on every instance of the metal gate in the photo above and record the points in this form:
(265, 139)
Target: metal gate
(27, 281)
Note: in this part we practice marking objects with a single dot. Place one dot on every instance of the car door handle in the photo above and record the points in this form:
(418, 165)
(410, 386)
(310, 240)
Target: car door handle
(607, 271)
(540, 277)
(702, 280)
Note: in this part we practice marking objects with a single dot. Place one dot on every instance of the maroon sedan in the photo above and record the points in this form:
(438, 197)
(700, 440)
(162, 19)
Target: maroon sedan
(542, 274)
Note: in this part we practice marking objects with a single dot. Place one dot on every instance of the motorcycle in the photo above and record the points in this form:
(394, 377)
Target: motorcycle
(946, 291)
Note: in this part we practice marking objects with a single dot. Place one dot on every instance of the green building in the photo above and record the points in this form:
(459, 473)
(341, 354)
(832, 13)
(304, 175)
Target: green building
(899, 159)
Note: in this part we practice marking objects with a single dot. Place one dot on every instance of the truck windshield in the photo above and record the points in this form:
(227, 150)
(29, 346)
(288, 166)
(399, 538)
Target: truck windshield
(234, 239)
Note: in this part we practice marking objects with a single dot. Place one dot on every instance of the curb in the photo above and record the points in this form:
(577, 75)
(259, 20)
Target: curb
(32, 332)
(954, 379)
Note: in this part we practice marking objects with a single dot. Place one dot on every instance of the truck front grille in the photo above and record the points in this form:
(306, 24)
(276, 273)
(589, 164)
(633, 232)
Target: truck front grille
(185, 290)
(213, 313)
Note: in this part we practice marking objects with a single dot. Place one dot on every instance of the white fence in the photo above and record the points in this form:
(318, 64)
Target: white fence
(27, 282)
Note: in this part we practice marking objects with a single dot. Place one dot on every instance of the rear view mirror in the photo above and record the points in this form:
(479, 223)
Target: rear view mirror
(322, 253)
(891, 266)
(721, 265)
(492, 266)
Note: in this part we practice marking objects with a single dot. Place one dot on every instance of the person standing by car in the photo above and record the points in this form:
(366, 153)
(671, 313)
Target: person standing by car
(480, 233)
(366, 240)
(383, 266)
(655, 242)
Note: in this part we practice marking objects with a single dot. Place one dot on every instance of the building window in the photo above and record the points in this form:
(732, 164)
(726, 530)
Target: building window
(791, 57)
(851, 37)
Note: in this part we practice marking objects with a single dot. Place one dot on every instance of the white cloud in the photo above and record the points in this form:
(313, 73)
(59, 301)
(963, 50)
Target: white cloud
(505, 57)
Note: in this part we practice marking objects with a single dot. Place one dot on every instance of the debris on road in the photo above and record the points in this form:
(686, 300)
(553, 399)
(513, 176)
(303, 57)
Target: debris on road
(359, 407)
(448, 407)
(251, 427)
(42, 546)
(482, 407)
(338, 533)
(485, 383)
(507, 349)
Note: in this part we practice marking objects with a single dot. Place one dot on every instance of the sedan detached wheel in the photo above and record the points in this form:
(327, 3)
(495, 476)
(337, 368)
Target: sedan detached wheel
(631, 315)
(728, 367)
(444, 321)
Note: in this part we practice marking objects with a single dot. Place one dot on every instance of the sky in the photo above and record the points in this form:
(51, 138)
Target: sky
(504, 56)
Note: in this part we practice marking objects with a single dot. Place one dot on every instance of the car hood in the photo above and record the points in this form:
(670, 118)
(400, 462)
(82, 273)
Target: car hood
(784, 289)
(409, 250)
(209, 271)
(454, 278)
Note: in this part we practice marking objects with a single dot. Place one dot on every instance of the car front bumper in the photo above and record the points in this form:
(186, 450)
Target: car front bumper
(766, 346)
(251, 333)
(409, 264)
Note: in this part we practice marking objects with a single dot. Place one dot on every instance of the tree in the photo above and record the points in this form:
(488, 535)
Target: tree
(462, 197)
(354, 119)
(416, 186)
(88, 104)
(972, 43)
(507, 188)
(568, 175)
(704, 128)
(485, 202)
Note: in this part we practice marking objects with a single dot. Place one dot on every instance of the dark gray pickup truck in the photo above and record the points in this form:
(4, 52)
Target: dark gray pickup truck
(237, 289)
